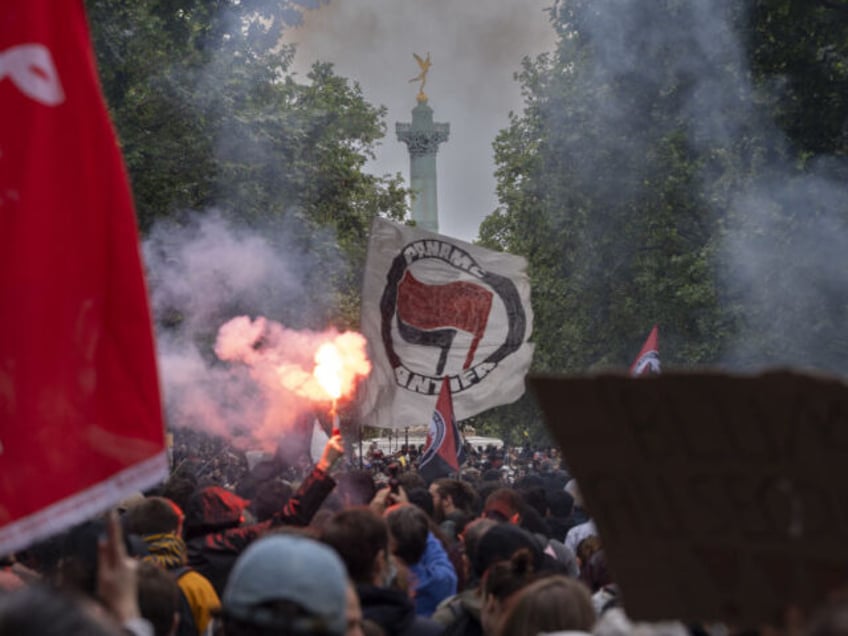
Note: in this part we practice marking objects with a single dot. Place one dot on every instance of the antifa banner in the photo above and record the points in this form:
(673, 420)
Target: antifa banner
(648, 360)
(80, 412)
(443, 452)
(434, 307)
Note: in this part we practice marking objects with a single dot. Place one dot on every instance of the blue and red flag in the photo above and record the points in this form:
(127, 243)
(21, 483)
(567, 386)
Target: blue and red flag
(443, 452)
(648, 361)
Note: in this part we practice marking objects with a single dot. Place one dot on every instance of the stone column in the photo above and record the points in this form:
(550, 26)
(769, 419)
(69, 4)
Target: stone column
(422, 138)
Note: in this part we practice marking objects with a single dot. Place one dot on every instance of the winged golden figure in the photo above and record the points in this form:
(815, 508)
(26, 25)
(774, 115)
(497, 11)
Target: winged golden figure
(424, 64)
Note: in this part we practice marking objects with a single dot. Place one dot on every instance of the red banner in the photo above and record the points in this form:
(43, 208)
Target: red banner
(80, 411)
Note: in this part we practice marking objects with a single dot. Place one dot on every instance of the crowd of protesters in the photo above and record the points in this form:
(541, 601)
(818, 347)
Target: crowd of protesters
(338, 547)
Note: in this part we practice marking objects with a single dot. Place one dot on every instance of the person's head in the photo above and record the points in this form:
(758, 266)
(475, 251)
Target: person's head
(356, 488)
(269, 499)
(501, 542)
(560, 503)
(470, 537)
(550, 604)
(212, 509)
(154, 515)
(504, 504)
(408, 529)
(39, 611)
(500, 582)
(450, 495)
(286, 584)
(158, 598)
(361, 538)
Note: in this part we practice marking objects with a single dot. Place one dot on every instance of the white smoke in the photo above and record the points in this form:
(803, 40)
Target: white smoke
(207, 274)
(786, 232)
(475, 49)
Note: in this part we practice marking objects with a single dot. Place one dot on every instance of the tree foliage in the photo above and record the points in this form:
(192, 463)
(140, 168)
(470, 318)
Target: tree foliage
(679, 162)
(208, 115)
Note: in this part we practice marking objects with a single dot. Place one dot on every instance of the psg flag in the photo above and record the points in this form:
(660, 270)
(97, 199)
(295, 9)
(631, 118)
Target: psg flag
(648, 362)
(443, 451)
(80, 412)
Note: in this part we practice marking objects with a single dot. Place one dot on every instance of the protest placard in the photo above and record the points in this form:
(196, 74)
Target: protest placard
(717, 497)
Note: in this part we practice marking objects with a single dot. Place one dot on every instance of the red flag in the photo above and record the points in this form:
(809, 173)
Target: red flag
(443, 451)
(80, 411)
(648, 361)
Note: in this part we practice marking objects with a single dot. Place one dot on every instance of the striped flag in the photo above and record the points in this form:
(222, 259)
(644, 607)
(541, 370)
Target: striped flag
(443, 452)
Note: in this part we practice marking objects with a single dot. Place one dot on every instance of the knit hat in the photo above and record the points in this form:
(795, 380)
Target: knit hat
(289, 568)
(212, 508)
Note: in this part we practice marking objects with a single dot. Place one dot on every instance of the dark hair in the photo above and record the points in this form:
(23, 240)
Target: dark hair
(158, 597)
(270, 498)
(505, 502)
(356, 488)
(179, 488)
(357, 535)
(422, 499)
(153, 515)
(40, 611)
(408, 526)
(463, 495)
(550, 604)
(560, 503)
(504, 578)
(471, 535)
(501, 542)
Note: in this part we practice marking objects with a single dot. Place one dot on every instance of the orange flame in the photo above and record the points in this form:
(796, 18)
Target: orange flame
(329, 367)
(340, 362)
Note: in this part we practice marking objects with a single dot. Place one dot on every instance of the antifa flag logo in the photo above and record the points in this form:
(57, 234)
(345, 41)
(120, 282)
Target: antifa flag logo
(647, 364)
(454, 316)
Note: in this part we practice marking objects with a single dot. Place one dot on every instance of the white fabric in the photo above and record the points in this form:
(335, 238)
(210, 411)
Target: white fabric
(404, 394)
(579, 532)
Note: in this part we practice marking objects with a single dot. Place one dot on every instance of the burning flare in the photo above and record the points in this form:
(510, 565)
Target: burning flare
(318, 366)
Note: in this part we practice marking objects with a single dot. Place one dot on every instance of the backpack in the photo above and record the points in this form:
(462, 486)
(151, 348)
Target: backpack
(187, 626)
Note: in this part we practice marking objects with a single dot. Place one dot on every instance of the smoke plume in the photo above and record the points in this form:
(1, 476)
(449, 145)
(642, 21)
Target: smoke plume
(216, 291)
(784, 230)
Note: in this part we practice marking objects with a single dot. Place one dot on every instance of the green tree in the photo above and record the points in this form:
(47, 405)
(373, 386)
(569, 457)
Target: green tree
(208, 116)
(667, 167)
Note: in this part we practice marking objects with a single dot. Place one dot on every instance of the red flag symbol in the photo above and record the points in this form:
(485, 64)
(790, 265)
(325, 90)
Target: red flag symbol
(436, 311)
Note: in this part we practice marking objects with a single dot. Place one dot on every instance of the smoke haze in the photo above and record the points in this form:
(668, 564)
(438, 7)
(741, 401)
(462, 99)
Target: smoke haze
(219, 367)
(475, 49)
(796, 270)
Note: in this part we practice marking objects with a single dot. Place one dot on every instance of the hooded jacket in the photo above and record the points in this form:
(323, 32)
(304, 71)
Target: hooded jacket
(215, 539)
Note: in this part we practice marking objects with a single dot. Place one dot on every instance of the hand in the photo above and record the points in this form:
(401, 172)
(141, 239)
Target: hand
(385, 499)
(333, 449)
(117, 586)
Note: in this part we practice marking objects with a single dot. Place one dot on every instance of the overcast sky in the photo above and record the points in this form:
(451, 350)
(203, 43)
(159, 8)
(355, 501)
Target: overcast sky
(475, 48)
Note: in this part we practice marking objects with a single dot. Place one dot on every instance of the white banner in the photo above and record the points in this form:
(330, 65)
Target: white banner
(435, 306)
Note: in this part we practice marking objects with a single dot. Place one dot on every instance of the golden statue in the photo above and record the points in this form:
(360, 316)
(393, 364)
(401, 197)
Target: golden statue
(422, 76)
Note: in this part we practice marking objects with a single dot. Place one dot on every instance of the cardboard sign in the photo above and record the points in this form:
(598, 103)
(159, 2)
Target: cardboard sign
(717, 497)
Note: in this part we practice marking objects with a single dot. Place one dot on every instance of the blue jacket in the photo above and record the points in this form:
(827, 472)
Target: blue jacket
(435, 578)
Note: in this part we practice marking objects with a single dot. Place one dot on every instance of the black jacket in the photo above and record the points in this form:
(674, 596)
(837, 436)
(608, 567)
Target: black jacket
(214, 554)
(394, 611)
